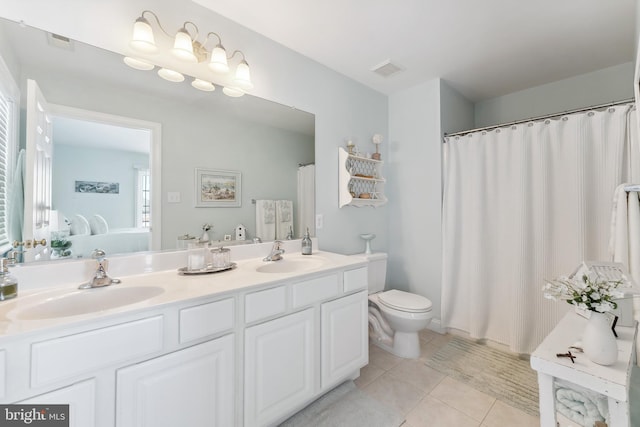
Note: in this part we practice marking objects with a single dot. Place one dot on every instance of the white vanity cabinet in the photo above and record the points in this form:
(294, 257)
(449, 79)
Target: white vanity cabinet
(192, 387)
(292, 359)
(345, 348)
(279, 365)
(250, 355)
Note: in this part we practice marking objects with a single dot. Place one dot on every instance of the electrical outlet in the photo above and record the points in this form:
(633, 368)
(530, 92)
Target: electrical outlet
(319, 221)
(173, 197)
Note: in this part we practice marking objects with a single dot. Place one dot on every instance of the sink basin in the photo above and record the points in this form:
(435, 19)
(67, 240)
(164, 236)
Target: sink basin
(288, 265)
(87, 301)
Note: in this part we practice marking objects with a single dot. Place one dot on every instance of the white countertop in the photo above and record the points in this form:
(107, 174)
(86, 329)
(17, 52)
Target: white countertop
(175, 288)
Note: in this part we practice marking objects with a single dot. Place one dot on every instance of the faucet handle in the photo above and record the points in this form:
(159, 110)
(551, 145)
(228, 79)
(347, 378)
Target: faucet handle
(98, 254)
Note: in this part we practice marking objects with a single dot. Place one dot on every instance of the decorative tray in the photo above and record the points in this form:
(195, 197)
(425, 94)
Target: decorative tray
(207, 270)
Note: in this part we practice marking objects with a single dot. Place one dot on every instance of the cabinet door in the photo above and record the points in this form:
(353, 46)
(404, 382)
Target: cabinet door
(279, 367)
(81, 398)
(191, 387)
(345, 341)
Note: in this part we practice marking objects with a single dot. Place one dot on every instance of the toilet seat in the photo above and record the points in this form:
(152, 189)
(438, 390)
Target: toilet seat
(404, 301)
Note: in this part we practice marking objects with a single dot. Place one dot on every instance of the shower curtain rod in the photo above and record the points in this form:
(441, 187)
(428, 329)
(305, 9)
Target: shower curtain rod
(534, 119)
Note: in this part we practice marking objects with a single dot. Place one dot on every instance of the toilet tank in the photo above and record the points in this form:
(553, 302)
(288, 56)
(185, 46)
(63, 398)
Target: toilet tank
(377, 271)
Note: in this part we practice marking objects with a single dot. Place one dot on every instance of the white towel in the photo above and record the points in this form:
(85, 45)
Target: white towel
(580, 405)
(619, 238)
(266, 219)
(284, 218)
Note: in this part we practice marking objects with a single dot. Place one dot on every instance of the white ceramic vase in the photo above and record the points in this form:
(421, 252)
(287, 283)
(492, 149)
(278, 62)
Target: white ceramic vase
(598, 342)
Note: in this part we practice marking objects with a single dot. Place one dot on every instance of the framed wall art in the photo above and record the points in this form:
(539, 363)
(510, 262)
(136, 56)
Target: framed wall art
(215, 188)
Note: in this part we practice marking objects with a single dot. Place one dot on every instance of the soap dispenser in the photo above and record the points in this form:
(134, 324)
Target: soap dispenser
(8, 283)
(307, 245)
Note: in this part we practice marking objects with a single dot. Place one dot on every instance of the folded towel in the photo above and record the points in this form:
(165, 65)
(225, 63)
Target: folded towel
(266, 219)
(284, 218)
(581, 405)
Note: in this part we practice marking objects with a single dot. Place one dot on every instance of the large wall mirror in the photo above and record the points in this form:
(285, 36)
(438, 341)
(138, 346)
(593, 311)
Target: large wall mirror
(111, 124)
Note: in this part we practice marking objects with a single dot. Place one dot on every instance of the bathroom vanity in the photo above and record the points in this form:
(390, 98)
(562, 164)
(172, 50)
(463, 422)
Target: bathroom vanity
(247, 347)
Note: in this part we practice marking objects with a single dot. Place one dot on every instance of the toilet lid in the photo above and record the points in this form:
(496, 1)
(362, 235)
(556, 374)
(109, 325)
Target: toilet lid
(404, 301)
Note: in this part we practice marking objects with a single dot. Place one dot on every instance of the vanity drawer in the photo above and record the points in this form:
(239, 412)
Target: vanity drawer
(65, 357)
(206, 319)
(314, 290)
(355, 279)
(263, 304)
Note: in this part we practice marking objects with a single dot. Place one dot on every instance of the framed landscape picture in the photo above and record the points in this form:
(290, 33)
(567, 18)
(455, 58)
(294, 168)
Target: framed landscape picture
(215, 188)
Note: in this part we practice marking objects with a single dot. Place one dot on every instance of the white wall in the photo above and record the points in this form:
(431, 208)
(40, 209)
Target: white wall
(598, 87)
(342, 107)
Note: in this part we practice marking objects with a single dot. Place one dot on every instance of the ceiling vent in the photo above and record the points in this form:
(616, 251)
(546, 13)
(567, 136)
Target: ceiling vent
(386, 69)
(59, 41)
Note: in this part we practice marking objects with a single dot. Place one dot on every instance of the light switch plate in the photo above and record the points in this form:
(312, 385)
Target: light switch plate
(173, 197)
(319, 221)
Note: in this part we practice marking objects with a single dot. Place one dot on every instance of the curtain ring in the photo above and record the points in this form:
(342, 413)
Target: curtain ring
(591, 114)
(612, 110)
(546, 122)
(514, 127)
(530, 124)
(565, 118)
(497, 130)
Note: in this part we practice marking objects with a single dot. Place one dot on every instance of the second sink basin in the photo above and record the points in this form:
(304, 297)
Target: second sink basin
(290, 265)
(87, 301)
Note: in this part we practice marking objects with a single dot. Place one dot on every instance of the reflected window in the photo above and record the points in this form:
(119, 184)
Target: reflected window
(9, 97)
(143, 199)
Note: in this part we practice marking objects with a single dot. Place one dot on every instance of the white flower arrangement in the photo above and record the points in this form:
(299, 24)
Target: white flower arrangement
(589, 292)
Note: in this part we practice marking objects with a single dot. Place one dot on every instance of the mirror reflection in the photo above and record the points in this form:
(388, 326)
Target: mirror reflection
(99, 171)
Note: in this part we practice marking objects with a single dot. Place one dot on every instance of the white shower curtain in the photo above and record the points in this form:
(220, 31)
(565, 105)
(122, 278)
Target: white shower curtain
(306, 199)
(522, 204)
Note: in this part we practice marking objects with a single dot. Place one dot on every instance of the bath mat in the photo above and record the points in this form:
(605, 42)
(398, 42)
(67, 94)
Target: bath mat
(344, 406)
(497, 373)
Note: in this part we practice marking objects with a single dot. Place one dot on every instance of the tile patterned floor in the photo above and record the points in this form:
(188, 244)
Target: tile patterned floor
(427, 397)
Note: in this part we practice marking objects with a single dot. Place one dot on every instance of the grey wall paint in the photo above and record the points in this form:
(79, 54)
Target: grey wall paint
(598, 87)
(414, 191)
(73, 163)
(418, 117)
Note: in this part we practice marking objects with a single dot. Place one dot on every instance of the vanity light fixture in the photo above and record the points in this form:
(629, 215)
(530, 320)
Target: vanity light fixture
(233, 92)
(186, 47)
(170, 75)
(203, 85)
(138, 64)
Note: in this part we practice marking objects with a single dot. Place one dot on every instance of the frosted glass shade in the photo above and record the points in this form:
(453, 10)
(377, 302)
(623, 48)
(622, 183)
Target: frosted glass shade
(170, 75)
(243, 76)
(138, 64)
(203, 85)
(183, 46)
(232, 92)
(142, 39)
(218, 62)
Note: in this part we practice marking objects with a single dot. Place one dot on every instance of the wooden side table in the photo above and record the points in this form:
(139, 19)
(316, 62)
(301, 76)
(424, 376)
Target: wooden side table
(611, 381)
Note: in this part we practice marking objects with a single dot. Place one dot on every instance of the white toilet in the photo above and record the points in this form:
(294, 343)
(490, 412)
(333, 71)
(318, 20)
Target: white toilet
(395, 317)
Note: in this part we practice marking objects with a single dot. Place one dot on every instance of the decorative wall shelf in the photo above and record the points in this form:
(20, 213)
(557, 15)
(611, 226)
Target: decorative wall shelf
(360, 180)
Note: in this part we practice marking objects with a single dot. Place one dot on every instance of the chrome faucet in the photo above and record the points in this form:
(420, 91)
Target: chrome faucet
(276, 252)
(100, 278)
